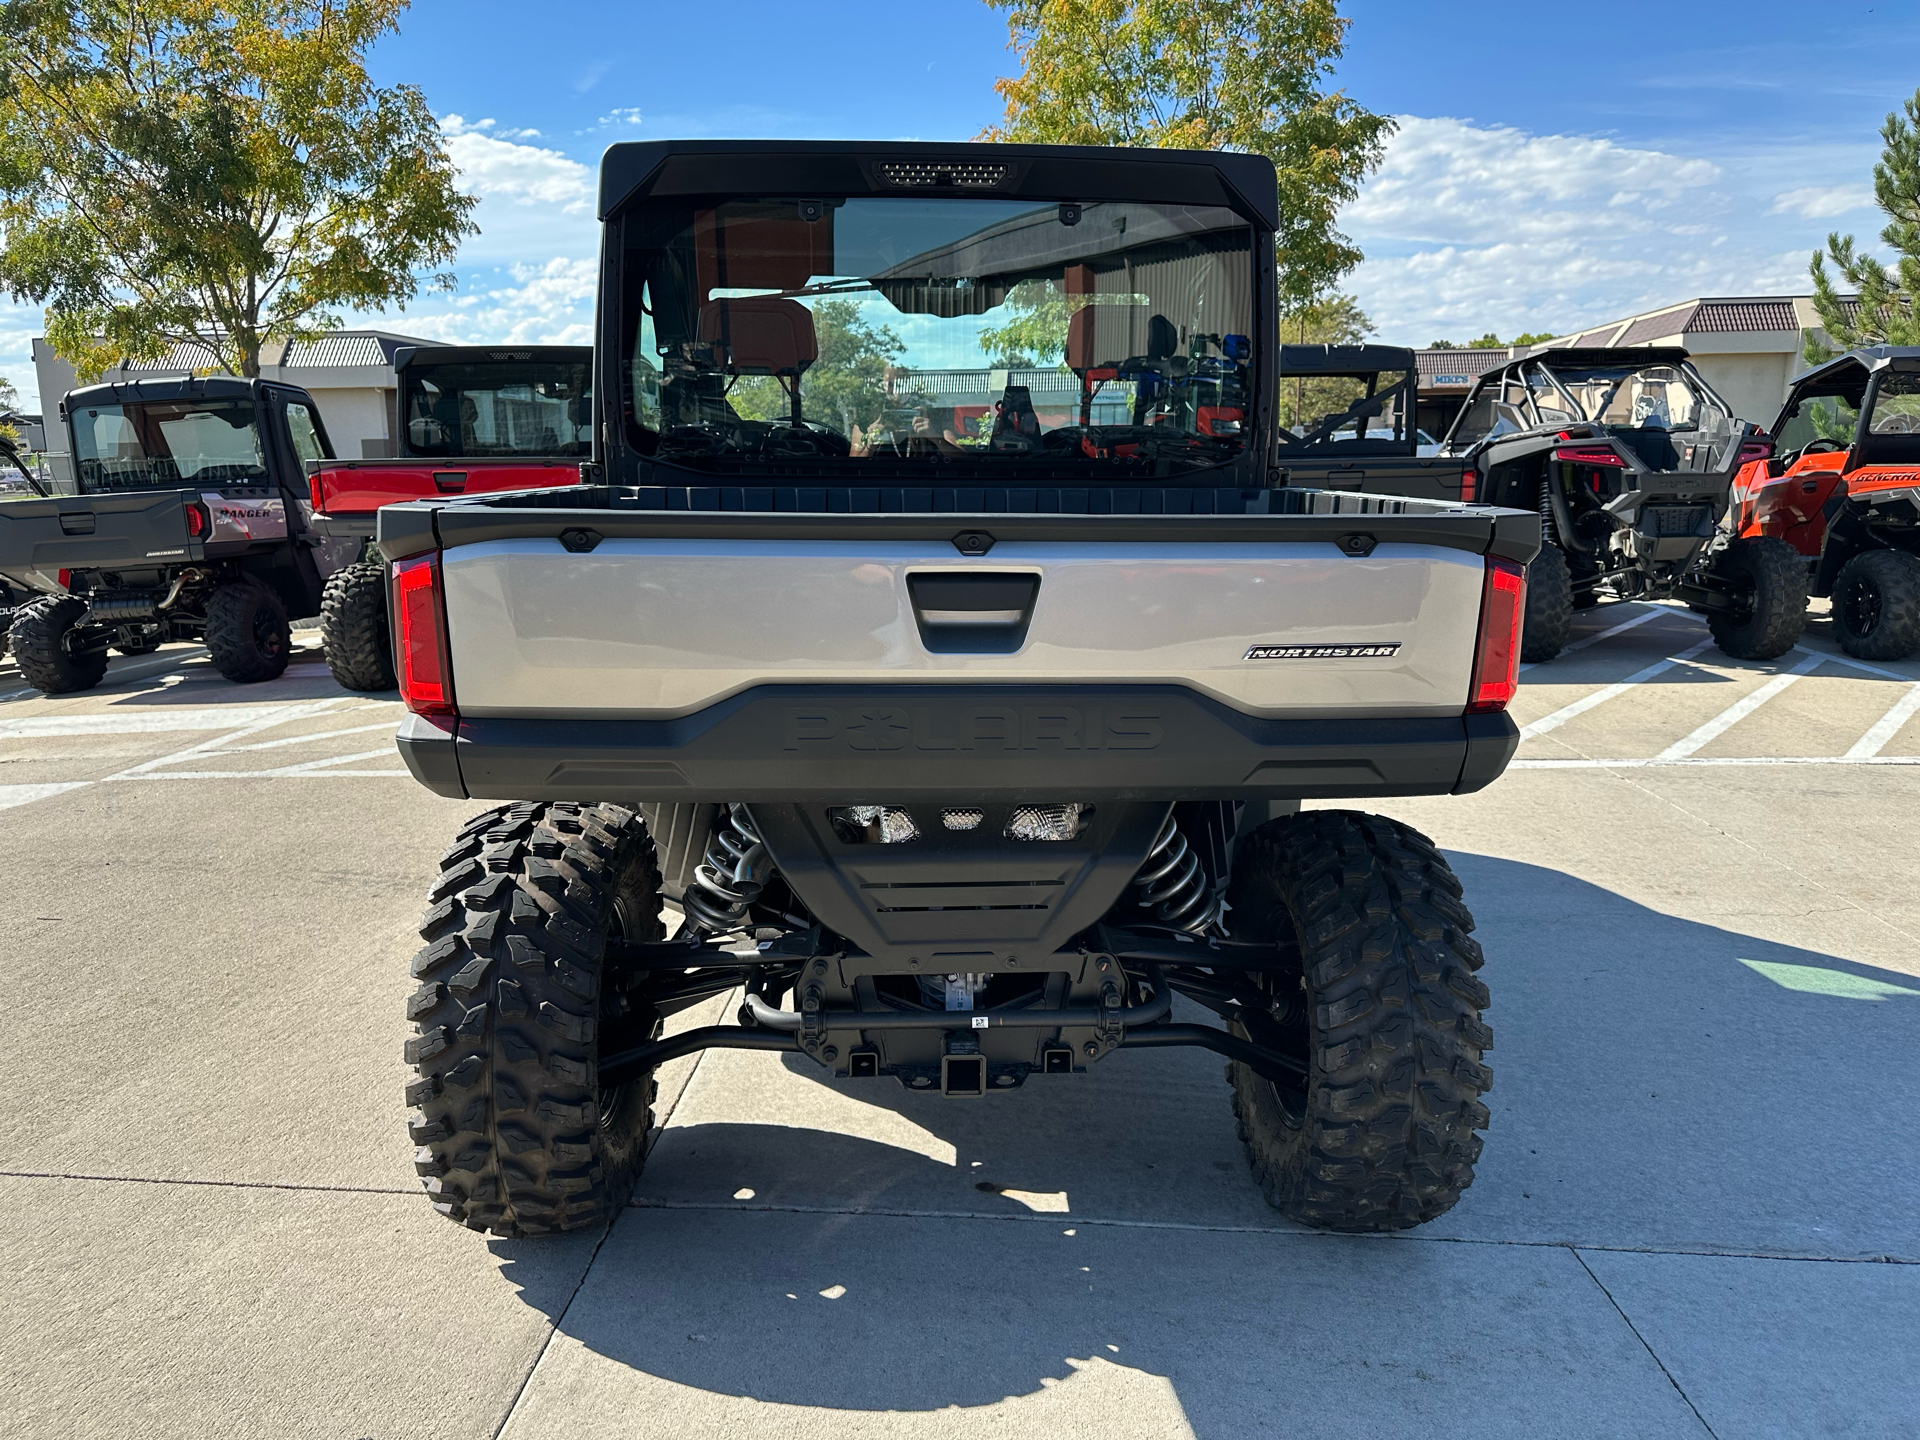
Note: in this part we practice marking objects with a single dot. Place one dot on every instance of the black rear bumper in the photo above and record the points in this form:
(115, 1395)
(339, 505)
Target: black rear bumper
(872, 744)
(343, 527)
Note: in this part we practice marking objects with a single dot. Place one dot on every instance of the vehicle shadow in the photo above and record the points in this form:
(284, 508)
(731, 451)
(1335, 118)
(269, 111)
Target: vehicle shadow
(1660, 1084)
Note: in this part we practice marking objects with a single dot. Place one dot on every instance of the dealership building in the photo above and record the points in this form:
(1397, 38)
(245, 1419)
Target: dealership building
(349, 373)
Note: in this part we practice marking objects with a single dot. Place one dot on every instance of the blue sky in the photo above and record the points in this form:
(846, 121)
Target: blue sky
(1557, 165)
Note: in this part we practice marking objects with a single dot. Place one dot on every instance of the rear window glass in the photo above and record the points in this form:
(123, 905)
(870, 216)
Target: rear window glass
(158, 444)
(532, 408)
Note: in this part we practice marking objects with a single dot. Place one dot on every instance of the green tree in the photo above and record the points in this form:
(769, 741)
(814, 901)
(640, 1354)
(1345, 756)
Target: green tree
(846, 386)
(216, 173)
(1885, 313)
(1491, 341)
(1035, 332)
(1205, 75)
(9, 402)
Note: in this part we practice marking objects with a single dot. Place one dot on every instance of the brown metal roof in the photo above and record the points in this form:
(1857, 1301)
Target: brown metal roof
(1723, 316)
(1434, 364)
(1676, 321)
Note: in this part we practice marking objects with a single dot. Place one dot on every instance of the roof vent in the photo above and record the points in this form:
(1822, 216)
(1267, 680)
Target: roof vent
(959, 174)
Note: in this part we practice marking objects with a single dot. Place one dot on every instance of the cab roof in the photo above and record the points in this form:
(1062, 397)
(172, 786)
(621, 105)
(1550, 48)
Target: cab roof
(1343, 359)
(1868, 357)
(162, 387)
(491, 355)
(803, 168)
(1606, 355)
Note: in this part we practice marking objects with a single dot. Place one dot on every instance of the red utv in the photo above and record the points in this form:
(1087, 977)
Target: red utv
(1843, 488)
(473, 420)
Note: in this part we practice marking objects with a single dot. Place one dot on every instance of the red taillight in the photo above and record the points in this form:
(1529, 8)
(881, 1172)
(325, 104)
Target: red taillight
(1755, 450)
(1589, 455)
(1496, 659)
(198, 521)
(420, 637)
(65, 577)
(1469, 484)
(317, 492)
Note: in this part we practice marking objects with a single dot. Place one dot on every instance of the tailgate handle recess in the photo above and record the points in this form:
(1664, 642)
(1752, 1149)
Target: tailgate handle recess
(76, 522)
(450, 482)
(973, 612)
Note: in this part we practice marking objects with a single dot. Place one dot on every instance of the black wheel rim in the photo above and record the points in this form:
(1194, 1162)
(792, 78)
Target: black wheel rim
(267, 636)
(1860, 607)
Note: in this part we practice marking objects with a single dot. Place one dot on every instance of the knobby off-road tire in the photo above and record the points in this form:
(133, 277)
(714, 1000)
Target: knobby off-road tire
(247, 632)
(1769, 579)
(1549, 619)
(1876, 605)
(1380, 1134)
(514, 1133)
(38, 636)
(354, 629)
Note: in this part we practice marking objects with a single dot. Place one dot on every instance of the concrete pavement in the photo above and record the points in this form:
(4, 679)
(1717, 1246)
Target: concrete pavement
(1697, 1212)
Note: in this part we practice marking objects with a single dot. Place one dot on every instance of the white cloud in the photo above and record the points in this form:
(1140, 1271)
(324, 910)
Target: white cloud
(1448, 181)
(623, 118)
(535, 303)
(1819, 202)
(1468, 228)
(504, 170)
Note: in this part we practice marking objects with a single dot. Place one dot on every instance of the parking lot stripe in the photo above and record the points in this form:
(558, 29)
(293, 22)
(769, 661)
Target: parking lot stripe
(1738, 711)
(1886, 727)
(141, 722)
(1625, 625)
(1840, 657)
(11, 795)
(129, 671)
(1654, 761)
(1599, 697)
(303, 739)
(299, 711)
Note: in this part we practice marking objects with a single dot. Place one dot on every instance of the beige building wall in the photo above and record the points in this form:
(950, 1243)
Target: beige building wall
(1754, 384)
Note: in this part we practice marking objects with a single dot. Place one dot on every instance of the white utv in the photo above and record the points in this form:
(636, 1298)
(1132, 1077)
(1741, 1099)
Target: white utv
(937, 661)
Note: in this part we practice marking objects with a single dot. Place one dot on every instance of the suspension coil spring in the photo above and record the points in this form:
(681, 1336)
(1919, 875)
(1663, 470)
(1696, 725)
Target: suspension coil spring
(1174, 886)
(730, 876)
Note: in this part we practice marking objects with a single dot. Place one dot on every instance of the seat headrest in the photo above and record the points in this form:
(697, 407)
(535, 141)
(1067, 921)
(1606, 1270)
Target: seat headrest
(763, 334)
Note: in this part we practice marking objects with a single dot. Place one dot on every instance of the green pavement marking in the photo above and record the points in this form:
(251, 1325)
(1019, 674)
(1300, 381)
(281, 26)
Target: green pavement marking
(1817, 980)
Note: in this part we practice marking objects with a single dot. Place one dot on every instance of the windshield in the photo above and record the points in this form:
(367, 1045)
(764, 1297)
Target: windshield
(1650, 400)
(162, 443)
(921, 331)
(1833, 417)
(1322, 410)
(1896, 405)
(497, 408)
(1645, 397)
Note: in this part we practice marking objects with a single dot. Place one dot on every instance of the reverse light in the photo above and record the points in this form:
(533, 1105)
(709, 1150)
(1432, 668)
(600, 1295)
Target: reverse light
(1589, 455)
(1496, 655)
(420, 637)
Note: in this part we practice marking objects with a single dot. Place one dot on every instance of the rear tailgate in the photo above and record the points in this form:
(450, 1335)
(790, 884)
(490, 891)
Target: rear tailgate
(656, 656)
(129, 530)
(360, 487)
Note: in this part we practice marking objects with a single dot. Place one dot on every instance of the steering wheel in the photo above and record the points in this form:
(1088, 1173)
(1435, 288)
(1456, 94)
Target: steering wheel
(1822, 446)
